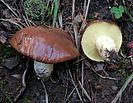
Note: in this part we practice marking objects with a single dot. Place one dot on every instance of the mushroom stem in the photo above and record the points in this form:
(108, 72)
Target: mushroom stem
(106, 47)
(43, 70)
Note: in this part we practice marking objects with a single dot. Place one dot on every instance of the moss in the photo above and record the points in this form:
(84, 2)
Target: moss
(36, 9)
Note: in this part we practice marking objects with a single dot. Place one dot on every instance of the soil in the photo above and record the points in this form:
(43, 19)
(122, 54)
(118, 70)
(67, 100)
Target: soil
(63, 86)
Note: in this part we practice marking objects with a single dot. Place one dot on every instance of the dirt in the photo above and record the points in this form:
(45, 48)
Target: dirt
(63, 86)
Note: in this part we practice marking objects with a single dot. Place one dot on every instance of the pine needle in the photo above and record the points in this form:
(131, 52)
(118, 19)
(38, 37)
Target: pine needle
(9, 7)
(7, 97)
(46, 94)
(118, 96)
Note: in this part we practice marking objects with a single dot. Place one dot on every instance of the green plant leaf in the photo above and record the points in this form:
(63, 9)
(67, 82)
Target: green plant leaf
(121, 8)
(55, 12)
(117, 11)
(118, 15)
(114, 9)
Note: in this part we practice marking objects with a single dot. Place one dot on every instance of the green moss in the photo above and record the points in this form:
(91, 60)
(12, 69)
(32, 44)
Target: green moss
(35, 9)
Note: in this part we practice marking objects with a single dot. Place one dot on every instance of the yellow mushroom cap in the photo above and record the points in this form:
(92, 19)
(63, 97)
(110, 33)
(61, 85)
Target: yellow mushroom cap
(95, 30)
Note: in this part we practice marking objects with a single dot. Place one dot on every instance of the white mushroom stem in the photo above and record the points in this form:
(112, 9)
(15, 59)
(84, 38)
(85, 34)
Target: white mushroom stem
(105, 46)
(43, 70)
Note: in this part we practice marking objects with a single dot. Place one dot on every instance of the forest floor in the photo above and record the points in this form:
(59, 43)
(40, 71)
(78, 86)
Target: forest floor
(78, 81)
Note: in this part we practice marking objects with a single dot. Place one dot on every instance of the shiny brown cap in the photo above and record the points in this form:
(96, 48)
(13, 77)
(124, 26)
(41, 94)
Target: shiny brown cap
(44, 44)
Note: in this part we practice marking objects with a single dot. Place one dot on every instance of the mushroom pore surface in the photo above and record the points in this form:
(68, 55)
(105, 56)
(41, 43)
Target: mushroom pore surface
(104, 30)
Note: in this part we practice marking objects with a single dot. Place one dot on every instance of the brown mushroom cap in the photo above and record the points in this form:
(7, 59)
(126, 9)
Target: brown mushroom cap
(45, 45)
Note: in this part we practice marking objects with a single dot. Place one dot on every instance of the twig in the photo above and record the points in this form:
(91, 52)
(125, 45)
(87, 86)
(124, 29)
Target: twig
(66, 89)
(85, 13)
(87, 8)
(70, 94)
(69, 31)
(85, 92)
(73, 9)
(84, 7)
(53, 101)
(26, 21)
(8, 98)
(105, 71)
(78, 61)
(75, 28)
(9, 7)
(75, 86)
(128, 80)
(23, 84)
(82, 77)
(60, 20)
(11, 21)
(88, 64)
(46, 94)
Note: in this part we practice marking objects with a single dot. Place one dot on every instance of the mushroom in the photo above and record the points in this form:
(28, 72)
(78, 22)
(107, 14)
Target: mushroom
(101, 40)
(46, 46)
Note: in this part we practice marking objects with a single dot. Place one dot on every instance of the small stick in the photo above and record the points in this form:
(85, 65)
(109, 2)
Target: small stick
(84, 7)
(7, 97)
(87, 8)
(85, 13)
(26, 21)
(46, 94)
(23, 84)
(9, 7)
(75, 28)
(85, 92)
(75, 86)
(70, 94)
(66, 90)
(73, 9)
(60, 20)
(88, 64)
(82, 76)
(119, 94)
(11, 21)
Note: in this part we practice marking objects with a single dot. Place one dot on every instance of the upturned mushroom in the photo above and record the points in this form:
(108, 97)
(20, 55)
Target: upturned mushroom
(101, 40)
(46, 46)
